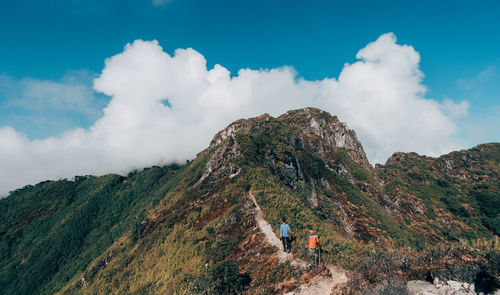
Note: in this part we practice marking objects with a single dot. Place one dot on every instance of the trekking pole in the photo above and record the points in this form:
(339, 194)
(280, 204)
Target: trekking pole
(319, 255)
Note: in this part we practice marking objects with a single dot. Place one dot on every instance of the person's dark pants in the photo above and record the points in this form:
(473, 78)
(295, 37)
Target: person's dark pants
(313, 254)
(286, 243)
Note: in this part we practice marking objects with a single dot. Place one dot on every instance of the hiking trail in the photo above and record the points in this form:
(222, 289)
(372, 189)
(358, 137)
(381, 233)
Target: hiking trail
(319, 284)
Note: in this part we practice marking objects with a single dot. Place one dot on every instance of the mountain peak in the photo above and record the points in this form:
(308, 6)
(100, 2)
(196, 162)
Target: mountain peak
(276, 140)
(311, 122)
(336, 133)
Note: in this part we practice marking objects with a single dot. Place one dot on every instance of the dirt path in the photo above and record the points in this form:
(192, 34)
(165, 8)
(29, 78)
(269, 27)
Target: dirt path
(318, 285)
(271, 238)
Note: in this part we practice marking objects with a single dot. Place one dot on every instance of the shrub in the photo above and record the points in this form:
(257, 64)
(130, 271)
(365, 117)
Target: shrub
(210, 230)
(223, 278)
(222, 247)
(488, 202)
(455, 207)
(442, 183)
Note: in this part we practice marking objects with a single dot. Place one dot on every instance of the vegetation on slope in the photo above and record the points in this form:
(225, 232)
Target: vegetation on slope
(52, 231)
(163, 231)
(460, 191)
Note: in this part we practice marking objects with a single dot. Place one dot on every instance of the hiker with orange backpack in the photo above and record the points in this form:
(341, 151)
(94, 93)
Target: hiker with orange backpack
(312, 246)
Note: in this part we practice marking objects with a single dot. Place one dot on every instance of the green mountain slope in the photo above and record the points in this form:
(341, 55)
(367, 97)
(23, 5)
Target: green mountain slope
(53, 230)
(191, 228)
(459, 193)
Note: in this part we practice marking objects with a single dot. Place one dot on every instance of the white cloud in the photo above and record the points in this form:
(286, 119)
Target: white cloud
(455, 110)
(381, 96)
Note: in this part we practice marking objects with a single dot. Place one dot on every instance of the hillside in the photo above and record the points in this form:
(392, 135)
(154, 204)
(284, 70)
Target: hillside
(192, 229)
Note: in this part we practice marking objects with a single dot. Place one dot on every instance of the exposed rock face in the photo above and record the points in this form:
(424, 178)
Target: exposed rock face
(397, 286)
(440, 288)
(392, 286)
(237, 126)
(220, 161)
(336, 134)
(312, 123)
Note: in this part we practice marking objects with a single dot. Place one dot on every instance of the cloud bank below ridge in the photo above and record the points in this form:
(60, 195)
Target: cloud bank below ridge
(166, 108)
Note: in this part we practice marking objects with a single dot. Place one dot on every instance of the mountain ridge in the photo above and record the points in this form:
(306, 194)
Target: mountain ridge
(170, 229)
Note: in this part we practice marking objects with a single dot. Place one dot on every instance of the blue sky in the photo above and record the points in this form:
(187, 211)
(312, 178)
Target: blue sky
(457, 40)
(51, 51)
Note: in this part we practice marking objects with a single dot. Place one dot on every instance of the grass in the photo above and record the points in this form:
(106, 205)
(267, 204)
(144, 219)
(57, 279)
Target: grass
(154, 231)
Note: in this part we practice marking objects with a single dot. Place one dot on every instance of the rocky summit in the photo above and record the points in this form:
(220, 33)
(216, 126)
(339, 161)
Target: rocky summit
(211, 226)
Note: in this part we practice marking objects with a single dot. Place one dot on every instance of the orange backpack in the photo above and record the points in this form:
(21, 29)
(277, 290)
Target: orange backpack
(312, 240)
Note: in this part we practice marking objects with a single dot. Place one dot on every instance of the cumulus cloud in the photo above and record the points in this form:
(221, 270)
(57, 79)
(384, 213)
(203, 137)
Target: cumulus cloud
(166, 108)
(455, 110)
